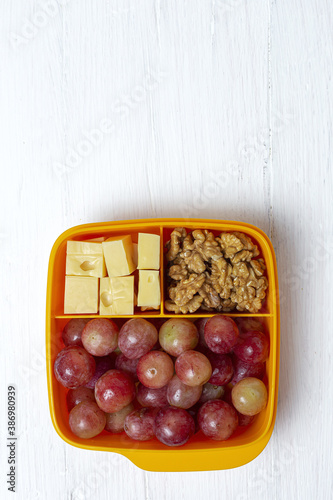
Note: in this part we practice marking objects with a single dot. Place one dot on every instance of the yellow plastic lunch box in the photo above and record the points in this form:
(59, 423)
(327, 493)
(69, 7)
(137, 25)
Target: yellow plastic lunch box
(199, 453)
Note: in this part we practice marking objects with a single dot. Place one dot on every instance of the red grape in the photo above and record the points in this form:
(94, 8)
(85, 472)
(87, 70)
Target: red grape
(76, 396)
(103, 364)
(74, 367)
(222, 368)
(152, 398)
(86, 420)
(181, 395)
(243, 370)
(155, 369)
(221, 334)
(217, 419)
(127, 365)
(252, 347)
(140, 424)
(114, 390)
(137, 337)
(174, 426)
(178, 335)
(210, 391)
(115, 421)
(100, 337)
(249, 396)
(193, 368)
(71, 334)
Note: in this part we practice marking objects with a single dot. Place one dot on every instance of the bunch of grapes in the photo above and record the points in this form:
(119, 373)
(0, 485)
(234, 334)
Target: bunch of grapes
(168, 383)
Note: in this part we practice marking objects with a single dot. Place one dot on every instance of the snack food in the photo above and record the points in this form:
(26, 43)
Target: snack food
(118, 254)
(113, 265)
(81, 295)
(214, 273)
(108, 398)
(116, 295)
(148, 251)
(85, 258)
(149, 294)
(154, 456)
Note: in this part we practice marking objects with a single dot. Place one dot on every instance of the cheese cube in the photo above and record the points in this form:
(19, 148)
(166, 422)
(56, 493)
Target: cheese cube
(118, 254)
(117, 296)
(148, 251)
(81, 295)
(85, 259)
(149, 294)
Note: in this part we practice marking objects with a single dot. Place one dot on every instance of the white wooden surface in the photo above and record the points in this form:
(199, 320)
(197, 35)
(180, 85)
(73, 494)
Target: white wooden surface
(217, 109)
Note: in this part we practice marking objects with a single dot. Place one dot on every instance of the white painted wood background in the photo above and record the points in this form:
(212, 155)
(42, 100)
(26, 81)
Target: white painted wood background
(218, 109)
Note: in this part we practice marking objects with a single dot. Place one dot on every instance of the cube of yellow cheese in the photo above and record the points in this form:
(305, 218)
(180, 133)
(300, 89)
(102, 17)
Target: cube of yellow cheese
(117, 296)
(118, 254)
(85, 259)
(149, 294)
(148, 251)
(81, 295)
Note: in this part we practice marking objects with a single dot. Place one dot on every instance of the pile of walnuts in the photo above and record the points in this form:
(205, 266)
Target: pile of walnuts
(213, 273)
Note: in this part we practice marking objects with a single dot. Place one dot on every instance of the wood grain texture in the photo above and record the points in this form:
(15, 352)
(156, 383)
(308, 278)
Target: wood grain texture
(121, 109)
